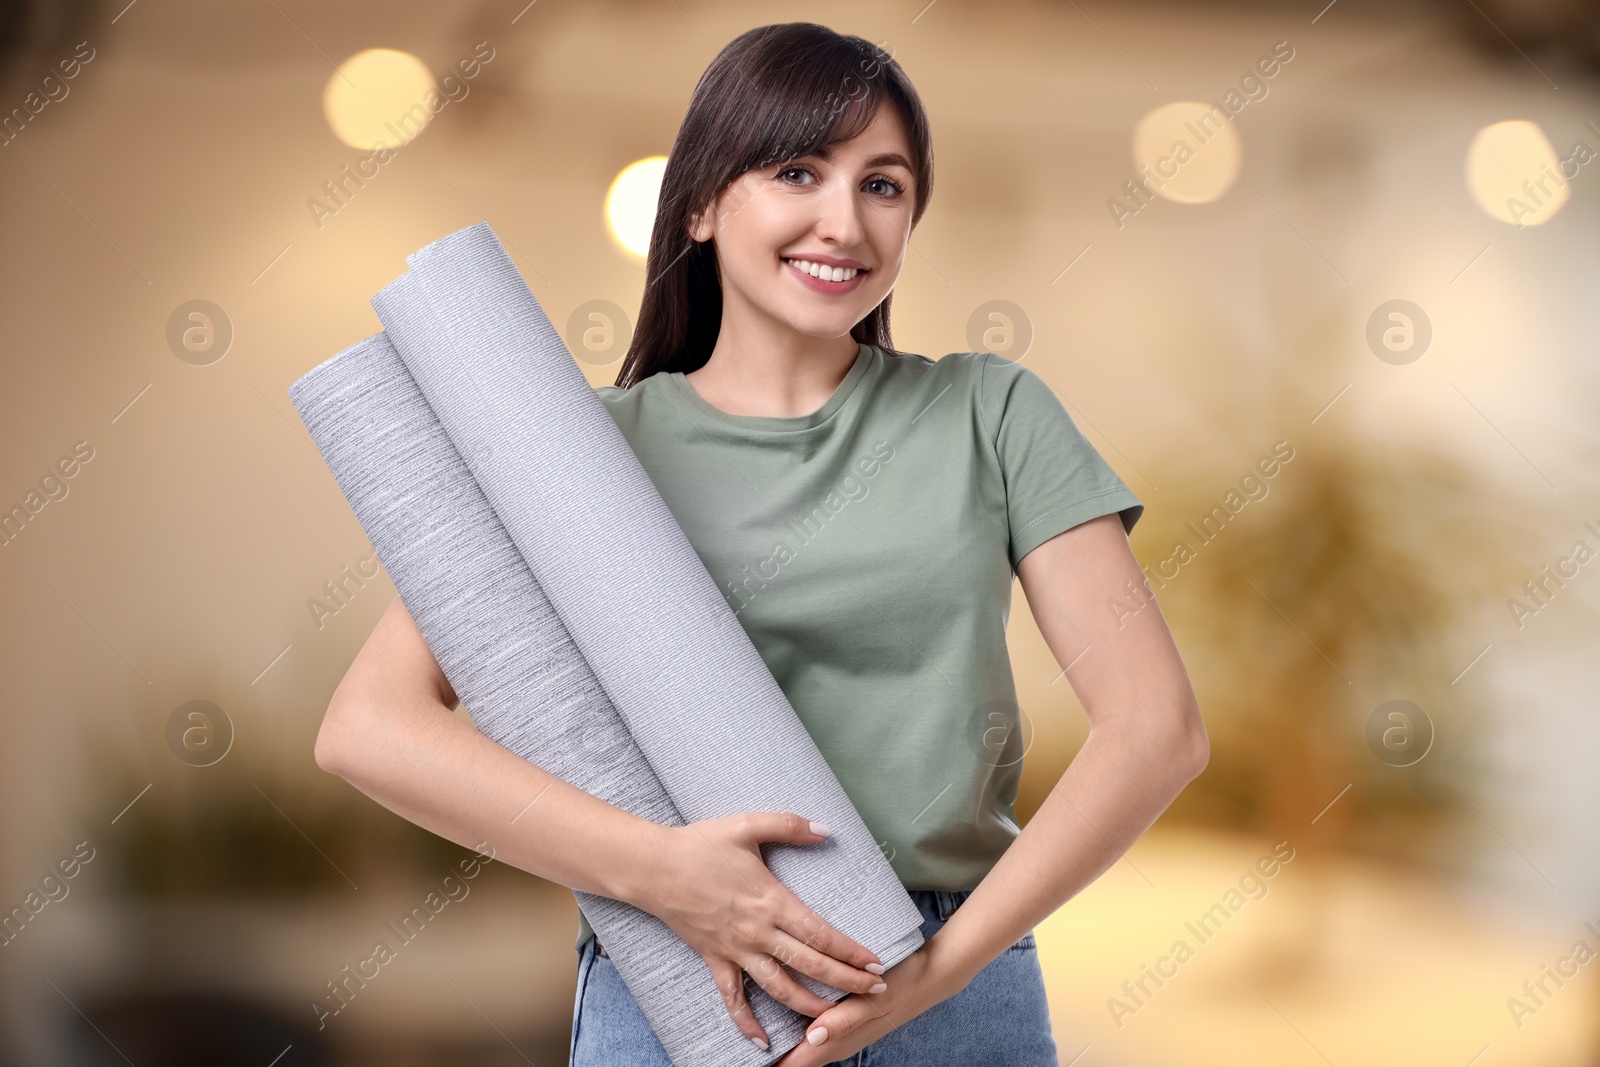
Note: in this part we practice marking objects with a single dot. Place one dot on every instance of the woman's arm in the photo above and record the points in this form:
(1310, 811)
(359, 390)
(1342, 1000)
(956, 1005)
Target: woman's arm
(1146, 742)
(389, 732)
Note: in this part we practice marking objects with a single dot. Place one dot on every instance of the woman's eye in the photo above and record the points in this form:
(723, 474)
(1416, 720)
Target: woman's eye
(886, 188)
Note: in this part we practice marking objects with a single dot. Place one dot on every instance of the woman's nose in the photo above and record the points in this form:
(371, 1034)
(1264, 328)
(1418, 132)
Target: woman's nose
(840, 218)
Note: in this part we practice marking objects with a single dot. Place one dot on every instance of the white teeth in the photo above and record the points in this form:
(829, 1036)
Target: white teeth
(826, 273)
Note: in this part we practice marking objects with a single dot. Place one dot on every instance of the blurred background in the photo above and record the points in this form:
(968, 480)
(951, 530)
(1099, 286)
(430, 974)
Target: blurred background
(1380, 261)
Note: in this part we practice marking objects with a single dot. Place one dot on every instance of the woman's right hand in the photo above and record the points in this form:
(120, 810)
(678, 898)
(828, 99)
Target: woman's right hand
(716, 893)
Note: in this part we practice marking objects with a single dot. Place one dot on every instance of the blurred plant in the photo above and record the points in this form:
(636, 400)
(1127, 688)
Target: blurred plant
(1351, 584)
(1364, 577)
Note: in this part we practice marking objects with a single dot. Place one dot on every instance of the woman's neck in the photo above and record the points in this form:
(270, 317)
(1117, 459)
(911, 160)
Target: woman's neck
(774, 377)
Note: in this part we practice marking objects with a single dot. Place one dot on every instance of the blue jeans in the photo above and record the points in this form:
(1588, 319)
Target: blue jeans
(1000, 1018)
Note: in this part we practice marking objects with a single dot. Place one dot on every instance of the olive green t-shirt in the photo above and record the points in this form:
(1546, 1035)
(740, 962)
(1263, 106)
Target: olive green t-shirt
(869, 549)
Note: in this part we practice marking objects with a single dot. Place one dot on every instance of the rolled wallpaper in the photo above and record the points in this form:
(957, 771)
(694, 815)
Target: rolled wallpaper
(510, 660)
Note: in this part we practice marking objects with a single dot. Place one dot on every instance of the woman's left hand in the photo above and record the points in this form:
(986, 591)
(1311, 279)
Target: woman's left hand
(861, 1018)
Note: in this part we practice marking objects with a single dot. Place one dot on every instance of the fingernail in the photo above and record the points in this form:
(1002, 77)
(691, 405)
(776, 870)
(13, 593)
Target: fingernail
(760, 1044)
(879, 988)
(817, 1036)
(875, 968)
(820, 829)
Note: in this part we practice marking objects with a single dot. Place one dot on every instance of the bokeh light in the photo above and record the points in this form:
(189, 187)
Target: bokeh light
(1189, 150)
(631, 204)
(1515, 175)
(377, 97)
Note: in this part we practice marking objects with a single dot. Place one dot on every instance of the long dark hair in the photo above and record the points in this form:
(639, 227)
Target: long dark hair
(775, 93)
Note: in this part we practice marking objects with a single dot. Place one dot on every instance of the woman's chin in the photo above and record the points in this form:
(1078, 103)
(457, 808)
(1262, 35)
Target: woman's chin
(821, 323)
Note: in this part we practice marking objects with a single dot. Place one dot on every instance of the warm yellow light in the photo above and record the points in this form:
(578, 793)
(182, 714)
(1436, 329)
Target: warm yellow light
(1514, 174)
(631, 203)
(377, 97)
(1188, 151)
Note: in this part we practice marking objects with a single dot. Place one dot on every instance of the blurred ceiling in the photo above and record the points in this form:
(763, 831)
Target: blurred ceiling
(1556, 35)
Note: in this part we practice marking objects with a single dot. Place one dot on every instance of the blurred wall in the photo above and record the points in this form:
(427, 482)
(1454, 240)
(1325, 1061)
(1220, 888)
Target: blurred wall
(200, 520)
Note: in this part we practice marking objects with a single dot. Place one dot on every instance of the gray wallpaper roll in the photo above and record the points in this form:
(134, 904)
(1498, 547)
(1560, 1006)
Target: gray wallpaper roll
(637, 600)
(509, 658)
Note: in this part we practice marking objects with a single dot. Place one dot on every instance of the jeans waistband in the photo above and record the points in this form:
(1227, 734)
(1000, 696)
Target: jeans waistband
(932, 903)
(939, 903)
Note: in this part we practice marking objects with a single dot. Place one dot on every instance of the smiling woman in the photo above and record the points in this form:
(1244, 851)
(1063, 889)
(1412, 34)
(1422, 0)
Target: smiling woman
(759, 377)
(761, 367)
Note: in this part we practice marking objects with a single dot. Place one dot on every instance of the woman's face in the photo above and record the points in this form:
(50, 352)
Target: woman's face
(847, 206)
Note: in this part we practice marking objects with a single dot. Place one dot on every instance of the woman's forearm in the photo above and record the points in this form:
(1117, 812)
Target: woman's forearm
(412, 755)
(1121, 780)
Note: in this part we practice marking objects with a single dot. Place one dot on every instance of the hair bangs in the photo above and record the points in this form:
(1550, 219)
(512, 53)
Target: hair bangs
(812, 106)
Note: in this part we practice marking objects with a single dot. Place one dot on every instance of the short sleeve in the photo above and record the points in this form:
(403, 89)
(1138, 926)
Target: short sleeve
(1054, 478)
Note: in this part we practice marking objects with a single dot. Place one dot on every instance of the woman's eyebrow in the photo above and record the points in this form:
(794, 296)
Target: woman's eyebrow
(882, 159)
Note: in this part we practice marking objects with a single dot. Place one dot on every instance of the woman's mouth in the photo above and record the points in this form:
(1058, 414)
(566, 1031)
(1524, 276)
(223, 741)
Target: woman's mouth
(823, 278)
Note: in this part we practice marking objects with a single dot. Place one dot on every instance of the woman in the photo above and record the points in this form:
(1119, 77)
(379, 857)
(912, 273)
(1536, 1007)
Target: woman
(865, 512)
